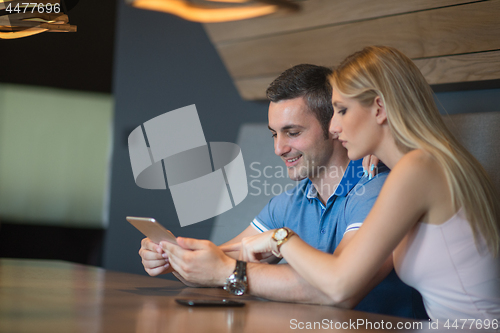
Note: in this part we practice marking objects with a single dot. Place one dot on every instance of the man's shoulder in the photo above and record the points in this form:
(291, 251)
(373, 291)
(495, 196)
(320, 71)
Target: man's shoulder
(368, 188)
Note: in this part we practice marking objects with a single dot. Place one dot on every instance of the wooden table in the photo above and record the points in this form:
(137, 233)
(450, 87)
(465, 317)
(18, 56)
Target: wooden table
(55, 296)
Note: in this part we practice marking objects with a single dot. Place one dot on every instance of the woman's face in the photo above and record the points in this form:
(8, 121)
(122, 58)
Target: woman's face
(355, 125)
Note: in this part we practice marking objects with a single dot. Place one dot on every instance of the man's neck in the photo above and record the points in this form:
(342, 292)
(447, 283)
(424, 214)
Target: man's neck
(327, 180)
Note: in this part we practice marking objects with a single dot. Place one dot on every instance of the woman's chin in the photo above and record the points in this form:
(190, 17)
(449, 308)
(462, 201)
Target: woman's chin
(353, 156)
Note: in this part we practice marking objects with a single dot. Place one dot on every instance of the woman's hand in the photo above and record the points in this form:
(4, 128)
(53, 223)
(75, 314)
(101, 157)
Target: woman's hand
(370, 163)
(254, 248)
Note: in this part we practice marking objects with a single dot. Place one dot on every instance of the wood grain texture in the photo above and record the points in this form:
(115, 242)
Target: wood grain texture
(445, 31)
(317, 13)
(461, 68)
(53, 297)
(437, 70)
(254, 88)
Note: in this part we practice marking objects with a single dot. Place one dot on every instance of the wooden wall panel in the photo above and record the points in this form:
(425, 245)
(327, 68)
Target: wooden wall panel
(437, 70)
(445, 31)
(254, 88)
(461, 68)
(317, 13)
(451, 41)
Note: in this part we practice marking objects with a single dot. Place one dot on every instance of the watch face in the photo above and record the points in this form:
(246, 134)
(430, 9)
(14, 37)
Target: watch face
(280, 234)
(237, 288)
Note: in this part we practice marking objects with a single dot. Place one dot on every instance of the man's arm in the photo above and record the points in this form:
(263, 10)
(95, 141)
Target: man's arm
(155, 260)
(283, 283)
(203, 263)
(248, 232)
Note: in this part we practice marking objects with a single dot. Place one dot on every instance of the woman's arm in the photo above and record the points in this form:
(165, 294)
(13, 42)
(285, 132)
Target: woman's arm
(415, 190)
(404, 199)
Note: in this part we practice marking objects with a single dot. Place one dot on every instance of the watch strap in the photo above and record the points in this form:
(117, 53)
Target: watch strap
(241, 269)
(280, 242)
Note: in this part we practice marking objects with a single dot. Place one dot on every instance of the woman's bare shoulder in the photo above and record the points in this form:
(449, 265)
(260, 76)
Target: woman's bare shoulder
(416, 181)
(418, 169)
(419, 161)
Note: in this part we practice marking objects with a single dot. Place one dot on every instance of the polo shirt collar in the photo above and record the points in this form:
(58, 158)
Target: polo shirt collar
(351, 177)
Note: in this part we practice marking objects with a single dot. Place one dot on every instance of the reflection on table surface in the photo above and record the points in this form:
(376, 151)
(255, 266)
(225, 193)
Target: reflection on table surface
(55, 296)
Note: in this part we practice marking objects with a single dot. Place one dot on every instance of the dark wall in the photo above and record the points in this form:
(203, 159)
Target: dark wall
(163, 63)
(468, 101)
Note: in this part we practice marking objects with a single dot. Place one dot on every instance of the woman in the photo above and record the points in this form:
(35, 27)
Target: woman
(438, 213)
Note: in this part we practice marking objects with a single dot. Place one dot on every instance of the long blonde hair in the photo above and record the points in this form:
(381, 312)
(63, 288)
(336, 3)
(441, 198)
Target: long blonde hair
(415, 123)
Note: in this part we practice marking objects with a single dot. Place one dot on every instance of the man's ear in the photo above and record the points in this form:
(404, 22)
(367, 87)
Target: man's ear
(380, 114)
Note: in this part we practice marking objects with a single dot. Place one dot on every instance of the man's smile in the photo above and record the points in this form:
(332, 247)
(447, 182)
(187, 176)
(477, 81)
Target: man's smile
(292, 161)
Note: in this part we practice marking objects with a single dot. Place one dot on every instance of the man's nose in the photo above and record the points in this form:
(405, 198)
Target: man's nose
(281, 146)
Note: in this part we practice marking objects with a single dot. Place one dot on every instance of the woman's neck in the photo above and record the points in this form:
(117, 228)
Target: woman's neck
(389, 152)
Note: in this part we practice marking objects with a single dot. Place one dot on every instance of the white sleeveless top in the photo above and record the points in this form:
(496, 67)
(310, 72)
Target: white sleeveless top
(457, 280)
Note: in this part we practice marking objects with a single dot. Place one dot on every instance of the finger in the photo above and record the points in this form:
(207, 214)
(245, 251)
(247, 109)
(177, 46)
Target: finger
(192, 244)
(151, 264)
(146, 243)
(158, 248)
(176, 264)
(231, 247)
(241, 254)
(252, 257)
(366, 165)
(249, 256)
(373, 166)
(159, 270)
(244, 251)
(247, 253)
(172, 250)
(150, 255)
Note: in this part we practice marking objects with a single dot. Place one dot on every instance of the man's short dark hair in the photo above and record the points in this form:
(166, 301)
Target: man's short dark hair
(310, 82)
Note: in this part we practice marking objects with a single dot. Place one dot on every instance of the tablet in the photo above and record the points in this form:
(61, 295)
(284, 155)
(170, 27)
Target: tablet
(152, 229)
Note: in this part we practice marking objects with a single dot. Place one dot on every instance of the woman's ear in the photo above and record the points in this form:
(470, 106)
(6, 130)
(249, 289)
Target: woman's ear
(380, 114)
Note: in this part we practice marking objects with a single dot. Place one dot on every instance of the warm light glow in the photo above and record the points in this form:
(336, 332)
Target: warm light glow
(53, 19)
(22, 33)
(37, 19)
(28, 24)
(230, 1)
(205, 14)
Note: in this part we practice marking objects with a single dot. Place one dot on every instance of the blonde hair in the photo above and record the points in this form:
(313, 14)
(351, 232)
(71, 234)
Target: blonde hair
(416, 123)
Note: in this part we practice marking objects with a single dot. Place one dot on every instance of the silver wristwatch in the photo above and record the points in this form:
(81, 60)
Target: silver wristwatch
(236, 283)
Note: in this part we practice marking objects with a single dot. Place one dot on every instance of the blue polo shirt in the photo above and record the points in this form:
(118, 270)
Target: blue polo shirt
(323, 226)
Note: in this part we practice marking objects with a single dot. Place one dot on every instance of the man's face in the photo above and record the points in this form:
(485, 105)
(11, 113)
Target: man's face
(299, 139)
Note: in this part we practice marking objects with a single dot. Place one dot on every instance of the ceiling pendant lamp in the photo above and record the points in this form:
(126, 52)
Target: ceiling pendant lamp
(212, 11)
(21, 19)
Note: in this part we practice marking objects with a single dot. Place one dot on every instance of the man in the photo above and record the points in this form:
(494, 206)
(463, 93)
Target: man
(325, 209)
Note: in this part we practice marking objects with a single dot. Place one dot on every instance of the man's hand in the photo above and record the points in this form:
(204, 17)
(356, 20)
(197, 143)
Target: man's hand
(254, 248)
(199, 261)
(154, 260)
